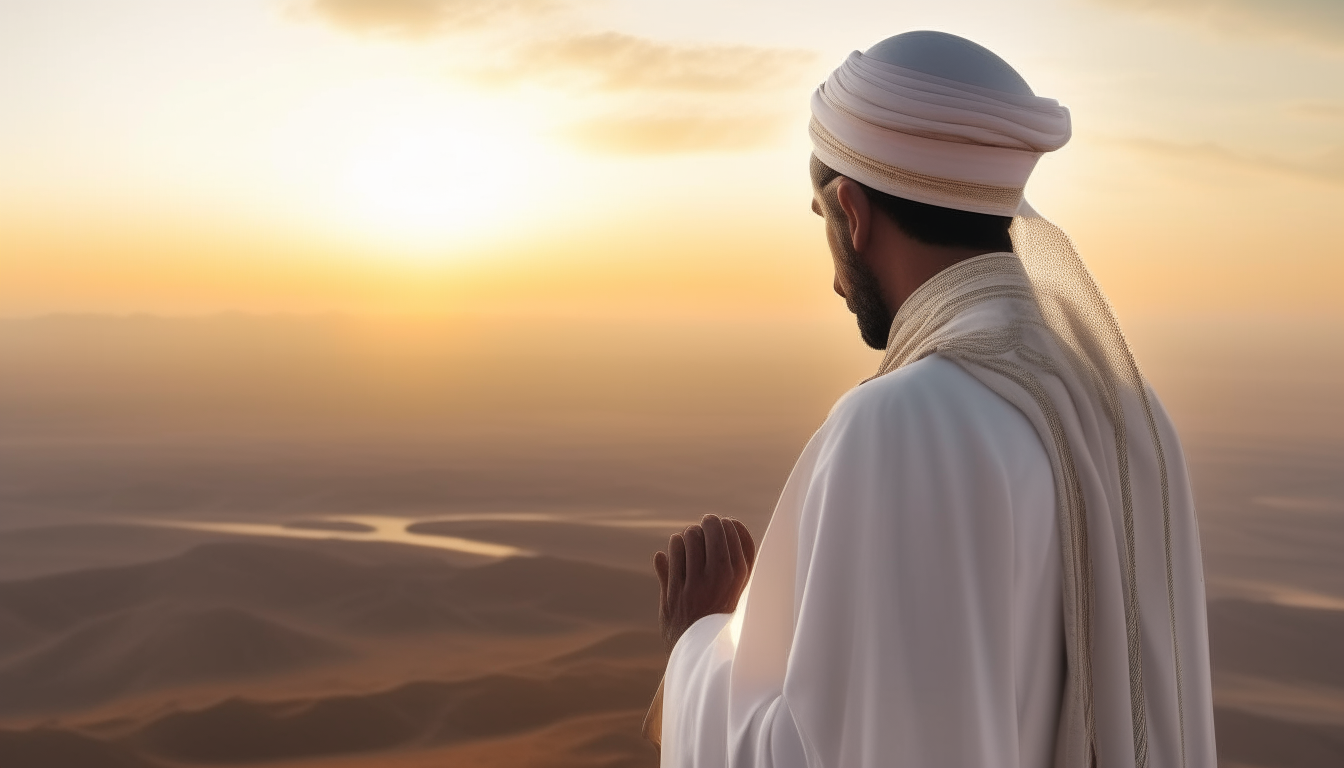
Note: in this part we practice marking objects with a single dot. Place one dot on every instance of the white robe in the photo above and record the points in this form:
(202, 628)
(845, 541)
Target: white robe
(905, 608)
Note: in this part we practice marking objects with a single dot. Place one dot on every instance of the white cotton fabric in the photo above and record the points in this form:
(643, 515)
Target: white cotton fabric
(894, 617)
(922, 124)
(1035, 329)
(873, 630)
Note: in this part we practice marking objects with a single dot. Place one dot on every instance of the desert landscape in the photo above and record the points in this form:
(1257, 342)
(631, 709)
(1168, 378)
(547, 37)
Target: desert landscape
(242, 652)
(277, 542)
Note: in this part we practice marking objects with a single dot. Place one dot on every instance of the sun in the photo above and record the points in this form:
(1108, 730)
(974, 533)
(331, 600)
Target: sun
(412, 167)
(422, 179)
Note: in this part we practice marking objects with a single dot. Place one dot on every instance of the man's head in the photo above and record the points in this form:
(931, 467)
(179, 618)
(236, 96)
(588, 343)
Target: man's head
(922, 147)
(922, 231)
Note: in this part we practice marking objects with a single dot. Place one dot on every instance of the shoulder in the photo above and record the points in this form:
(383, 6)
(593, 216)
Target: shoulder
(924, 454)
(933, 385)
(933, 403)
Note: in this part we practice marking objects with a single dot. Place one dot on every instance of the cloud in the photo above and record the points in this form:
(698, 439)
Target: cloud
(1323, 109)
(1319, 22)
(612, 61)
(639, 96)
(658, 97)
(420, 18)
(1327, 166)
(670, 134)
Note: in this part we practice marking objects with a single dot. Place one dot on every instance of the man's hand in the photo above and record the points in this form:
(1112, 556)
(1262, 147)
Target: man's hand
(702, 572)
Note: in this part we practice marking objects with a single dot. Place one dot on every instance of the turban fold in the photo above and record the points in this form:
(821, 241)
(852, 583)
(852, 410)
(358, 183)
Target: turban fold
(931, 139)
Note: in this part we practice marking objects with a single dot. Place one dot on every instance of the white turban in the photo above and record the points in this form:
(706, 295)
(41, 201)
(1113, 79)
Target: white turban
(931, 139)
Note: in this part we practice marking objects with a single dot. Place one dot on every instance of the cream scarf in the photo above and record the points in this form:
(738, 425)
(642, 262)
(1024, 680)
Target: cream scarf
(1137, 690)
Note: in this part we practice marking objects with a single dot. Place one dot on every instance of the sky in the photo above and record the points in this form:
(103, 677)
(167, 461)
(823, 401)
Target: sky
(262, 257)
(623, 157)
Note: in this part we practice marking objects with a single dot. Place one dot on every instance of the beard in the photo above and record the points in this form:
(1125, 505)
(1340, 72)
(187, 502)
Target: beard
(864, 294)
(864, 297)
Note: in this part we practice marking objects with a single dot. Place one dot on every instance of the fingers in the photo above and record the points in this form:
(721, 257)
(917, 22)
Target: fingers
(660, 568)
(694, 537)
(748, 544)
(676, 566)
(718, 557)
(736, 556)
(660, 563)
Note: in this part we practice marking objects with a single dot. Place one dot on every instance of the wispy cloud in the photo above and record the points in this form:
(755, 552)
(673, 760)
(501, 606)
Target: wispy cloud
(669, 134)
(1319, 22)
(640, 96)
(421, 18)
(1327, 166)
(658, 97)
(612, 61)
(1319, 108)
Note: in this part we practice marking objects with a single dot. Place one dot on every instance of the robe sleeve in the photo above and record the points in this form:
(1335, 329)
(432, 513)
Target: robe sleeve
(905, 606)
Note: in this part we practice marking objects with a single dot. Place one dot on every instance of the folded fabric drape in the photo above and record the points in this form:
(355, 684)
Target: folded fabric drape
(1138, 689)
(931, 139)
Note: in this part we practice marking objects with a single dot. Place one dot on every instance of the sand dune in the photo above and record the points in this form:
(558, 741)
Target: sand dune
(608, 740)
(58, 748)
(1278, 642)
(379, 737)
(1247, 739)
(15, 635)
(1285, 646)
(45, 550)
(639, 646)
(423, 713)
(110, 652)
(150, 649)
(311, 583)
(232, 610)
(253, 575)
(223, 620)
(605, 740)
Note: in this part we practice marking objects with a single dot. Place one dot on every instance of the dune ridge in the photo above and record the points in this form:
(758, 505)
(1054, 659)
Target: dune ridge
(231, 610)
(420, 715)
(277, 652)
(233, 615)
(1256, 740)
(153, 648)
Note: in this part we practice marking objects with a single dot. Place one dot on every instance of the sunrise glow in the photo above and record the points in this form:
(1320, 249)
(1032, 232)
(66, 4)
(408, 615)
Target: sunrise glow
(322, 154)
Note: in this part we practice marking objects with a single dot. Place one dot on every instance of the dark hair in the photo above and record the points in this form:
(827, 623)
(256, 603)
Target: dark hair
(930, 224)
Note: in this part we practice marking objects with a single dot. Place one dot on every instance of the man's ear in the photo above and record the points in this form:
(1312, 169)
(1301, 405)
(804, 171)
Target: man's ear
(858, 211)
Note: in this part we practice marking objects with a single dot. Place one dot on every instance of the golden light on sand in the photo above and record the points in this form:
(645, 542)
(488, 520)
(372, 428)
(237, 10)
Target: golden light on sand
(388, 530)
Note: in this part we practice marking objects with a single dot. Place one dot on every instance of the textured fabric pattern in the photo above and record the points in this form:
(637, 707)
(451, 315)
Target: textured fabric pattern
(917, 186)
(1138, 689)
(879, 122)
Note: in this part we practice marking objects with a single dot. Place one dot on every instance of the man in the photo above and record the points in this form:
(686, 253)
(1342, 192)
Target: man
(987, 555)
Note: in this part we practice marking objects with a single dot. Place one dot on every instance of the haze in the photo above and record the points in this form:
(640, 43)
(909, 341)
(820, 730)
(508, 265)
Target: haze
(355, 355)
